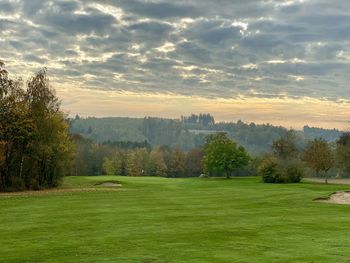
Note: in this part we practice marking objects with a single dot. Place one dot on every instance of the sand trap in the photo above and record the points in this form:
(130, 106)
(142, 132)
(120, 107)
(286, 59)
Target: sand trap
(342, 198)
(110, 184)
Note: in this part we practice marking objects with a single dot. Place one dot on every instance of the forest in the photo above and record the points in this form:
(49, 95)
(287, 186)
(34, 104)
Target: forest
(189, 132)
(39, 144)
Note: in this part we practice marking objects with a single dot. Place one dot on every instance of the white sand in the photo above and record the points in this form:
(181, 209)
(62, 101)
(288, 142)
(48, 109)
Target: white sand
(342, 198)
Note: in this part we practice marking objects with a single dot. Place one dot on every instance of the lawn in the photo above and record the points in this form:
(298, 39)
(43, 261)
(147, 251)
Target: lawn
(175, 220)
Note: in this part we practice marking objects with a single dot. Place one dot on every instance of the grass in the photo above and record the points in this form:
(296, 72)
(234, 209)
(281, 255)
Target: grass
(175, 220)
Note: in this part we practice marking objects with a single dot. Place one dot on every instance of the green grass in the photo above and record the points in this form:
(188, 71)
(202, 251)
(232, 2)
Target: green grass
(176, 220)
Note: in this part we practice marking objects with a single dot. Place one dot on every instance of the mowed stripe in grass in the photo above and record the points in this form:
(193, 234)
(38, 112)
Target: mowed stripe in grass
(175, 220)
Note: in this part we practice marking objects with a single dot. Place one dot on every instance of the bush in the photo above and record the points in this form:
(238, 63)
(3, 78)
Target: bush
(294, 172)
(273, 170)
(269, 170)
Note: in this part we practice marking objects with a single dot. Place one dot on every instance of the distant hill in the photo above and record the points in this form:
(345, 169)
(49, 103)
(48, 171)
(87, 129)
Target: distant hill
(188, 132)
(328, 135)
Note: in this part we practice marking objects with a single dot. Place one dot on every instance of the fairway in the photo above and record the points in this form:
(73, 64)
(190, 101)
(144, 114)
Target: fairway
(175, 220)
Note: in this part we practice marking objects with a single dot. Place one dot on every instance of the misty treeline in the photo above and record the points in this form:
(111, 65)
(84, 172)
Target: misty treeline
(203, 119)
(35, 145)
(189, 132)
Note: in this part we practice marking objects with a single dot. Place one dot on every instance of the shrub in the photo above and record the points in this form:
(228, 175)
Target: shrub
(294, 172)
(269, 170)
(273, 170)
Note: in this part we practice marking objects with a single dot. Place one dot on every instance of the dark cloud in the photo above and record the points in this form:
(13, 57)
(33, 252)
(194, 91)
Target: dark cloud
(6, 7)
(221, 48)
(213, 32)
(159, 10)
(150, 29)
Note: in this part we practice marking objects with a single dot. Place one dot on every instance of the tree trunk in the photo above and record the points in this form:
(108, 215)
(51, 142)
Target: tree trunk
(228, 174)
(326, 177)
(21, 167)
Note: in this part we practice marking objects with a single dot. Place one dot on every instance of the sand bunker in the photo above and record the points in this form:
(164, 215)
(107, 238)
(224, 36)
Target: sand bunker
(342, 198)
(110, 184)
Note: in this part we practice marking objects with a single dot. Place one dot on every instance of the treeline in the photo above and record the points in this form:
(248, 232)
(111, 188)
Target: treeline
(203, 119)
(290, 160)
(112, 159)
(189, 132)
(35, 146)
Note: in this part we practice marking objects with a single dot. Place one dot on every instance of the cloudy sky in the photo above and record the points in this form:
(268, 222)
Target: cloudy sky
(276, 61)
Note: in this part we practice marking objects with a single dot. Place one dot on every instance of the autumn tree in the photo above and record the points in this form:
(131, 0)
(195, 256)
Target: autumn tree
(224, 155)
(286, 146)
(136, 162)
(16, 131)
(177, 164)
(319, 156)
(194, 162)
(35, 144)
(157, 165)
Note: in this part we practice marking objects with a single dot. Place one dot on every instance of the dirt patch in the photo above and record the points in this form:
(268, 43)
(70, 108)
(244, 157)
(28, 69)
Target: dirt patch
(342, 197)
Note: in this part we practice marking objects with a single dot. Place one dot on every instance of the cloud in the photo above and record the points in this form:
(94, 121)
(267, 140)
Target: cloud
(6, 7)
(159, 10)
(213, 49)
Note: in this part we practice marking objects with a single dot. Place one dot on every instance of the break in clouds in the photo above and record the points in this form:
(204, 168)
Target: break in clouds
(211, 49)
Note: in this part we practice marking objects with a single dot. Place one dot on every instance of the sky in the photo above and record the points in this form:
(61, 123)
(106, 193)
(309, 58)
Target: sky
(285, 62)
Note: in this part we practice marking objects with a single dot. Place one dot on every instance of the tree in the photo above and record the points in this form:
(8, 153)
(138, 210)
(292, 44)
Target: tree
(286, 146)
(52, 146)
(177, 164)
(319, 156)
(157, 165)
(223, 155)
(108, 166)
(35, 145)
(83, 161)
(136, 162)
(343, 153)
(16, 131)
(142, 157)
(194, 162)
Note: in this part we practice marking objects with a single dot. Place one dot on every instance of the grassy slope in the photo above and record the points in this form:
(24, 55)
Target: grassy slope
(176, 220)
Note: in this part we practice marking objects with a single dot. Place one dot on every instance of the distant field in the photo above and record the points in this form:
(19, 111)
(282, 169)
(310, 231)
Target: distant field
(174, 220)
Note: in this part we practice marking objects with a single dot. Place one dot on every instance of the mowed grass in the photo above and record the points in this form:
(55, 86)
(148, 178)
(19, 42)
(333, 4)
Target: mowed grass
(175, 220)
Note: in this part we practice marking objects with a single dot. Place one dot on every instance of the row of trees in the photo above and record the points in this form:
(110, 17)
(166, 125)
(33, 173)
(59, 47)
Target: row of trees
(220, 156)
(112, 159)
(160, 161)
(318, 155)
(35, 145)
(202, 119)
(323, 157)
